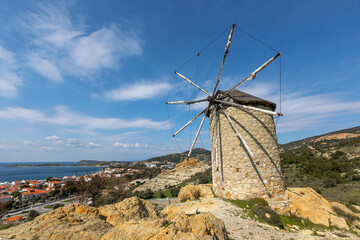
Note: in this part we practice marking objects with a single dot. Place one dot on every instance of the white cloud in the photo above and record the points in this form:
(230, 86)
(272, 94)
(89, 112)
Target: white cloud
(9, 79)
(53, 137)
(45, 67)
(303, 111)
(74, 142)
(127, 145)
(28, 143)
(61, 44)
(63, 116)
(140, 90)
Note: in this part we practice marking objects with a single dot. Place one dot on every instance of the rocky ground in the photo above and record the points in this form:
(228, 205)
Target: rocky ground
(240, 226)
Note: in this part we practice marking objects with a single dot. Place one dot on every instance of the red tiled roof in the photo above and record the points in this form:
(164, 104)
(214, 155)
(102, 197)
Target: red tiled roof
(12, 219)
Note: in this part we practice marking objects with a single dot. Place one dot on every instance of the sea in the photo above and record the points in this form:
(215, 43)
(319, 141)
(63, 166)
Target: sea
(9, 174)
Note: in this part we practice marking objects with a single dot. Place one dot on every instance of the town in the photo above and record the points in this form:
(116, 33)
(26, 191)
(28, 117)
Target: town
(17, 197)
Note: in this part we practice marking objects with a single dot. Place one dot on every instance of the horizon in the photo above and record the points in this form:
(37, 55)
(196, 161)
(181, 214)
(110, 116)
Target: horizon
(88, 80)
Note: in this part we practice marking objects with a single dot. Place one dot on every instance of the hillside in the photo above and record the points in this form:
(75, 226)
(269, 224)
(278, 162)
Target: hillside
(200, 154)
(329, 163)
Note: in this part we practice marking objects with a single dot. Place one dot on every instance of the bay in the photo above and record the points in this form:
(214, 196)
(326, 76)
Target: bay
(9, 174)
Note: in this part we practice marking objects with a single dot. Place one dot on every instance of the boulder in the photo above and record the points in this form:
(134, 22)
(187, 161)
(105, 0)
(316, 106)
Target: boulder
(307, 203)
(192, 192)
(130, 209)
(189, 162)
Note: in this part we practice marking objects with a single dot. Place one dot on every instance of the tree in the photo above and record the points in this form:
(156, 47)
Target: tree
(92, 189)
(32, 215)
(15, 194)
(48, 179)
(3, 209)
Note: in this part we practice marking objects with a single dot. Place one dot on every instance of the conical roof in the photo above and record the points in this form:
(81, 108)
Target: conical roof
(247, 99)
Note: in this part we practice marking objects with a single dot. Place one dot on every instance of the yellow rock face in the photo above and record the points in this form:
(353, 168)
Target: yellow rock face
(307, 203)
(204, 205)
(132, 218)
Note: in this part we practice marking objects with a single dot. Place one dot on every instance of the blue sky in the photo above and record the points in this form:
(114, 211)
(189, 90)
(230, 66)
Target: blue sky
(89, 79)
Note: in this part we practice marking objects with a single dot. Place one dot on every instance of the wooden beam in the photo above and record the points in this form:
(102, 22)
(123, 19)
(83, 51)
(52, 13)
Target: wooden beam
(250, 107)
(216, 140)
(253, 75)
(223, 61)
(189, 81)
(237, 133)
(188, 123)
(188, 102)
(197, 135)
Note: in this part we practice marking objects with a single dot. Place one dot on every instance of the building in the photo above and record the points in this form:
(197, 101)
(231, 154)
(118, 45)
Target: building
(236, 174)
(5, 198)
(14, 219)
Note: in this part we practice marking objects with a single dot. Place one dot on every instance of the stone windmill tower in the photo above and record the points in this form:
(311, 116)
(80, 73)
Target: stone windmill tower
(245, 155)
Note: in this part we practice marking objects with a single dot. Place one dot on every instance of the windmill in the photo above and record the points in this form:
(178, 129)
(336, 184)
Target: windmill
(245, 156)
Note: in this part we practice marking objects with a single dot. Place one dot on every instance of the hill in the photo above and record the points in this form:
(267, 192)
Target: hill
(200, 154)
(329, 163)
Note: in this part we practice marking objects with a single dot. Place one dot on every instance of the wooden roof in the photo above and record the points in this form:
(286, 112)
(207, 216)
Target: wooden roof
(247, 99)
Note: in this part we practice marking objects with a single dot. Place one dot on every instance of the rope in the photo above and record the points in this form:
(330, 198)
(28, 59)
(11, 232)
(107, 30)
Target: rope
(257, 39)
(167, 110)
(201, 50)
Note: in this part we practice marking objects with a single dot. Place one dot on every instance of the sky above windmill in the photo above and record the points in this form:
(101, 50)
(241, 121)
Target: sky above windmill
(89, 79)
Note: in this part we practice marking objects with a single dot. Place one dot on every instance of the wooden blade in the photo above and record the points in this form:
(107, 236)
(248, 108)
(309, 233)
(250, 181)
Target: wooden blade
(237, 133)
(223, 61)
(250, 107)
(189, 81)
(188, 102)
(188, 123)
(216, 141)
(253, 75)
(197, 135)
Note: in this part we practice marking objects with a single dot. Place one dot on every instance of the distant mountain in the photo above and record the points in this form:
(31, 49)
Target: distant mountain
(200, 154)
(336, 136)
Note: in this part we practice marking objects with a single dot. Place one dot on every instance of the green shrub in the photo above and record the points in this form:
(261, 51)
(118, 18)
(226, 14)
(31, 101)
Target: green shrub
(268, 215)
(57, 206)
(258, 202)
(32, 215)
(174, 191)
(35, 237)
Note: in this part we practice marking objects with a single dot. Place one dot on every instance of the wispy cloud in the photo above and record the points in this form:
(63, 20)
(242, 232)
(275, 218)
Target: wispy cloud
(62, 45)
(128, 145)
(137, 91)
(303, 111)
(74, 142)
(9, 79)
(65, 117)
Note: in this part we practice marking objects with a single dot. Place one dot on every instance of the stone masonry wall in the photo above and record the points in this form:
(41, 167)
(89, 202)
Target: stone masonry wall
(238, 176)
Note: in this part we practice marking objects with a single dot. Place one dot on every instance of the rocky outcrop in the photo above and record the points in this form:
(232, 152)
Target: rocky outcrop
(192, 192)
(182, 172)
(204, 205)
(132, 218)
(307, 203)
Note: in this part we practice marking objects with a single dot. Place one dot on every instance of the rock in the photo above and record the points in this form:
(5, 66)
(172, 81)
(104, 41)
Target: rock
(307, 203)
(204, 205)
(341, 209)
(307, 232)
(130, 209)
(193, 192)
(356, 207)
(130, 219)
(321, 234)
(189, 162)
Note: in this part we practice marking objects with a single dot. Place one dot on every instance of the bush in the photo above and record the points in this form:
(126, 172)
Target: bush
(174, 191)
(268, 215)
(259, 202)
(32, 215)
(57, 206)
(147, 194)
